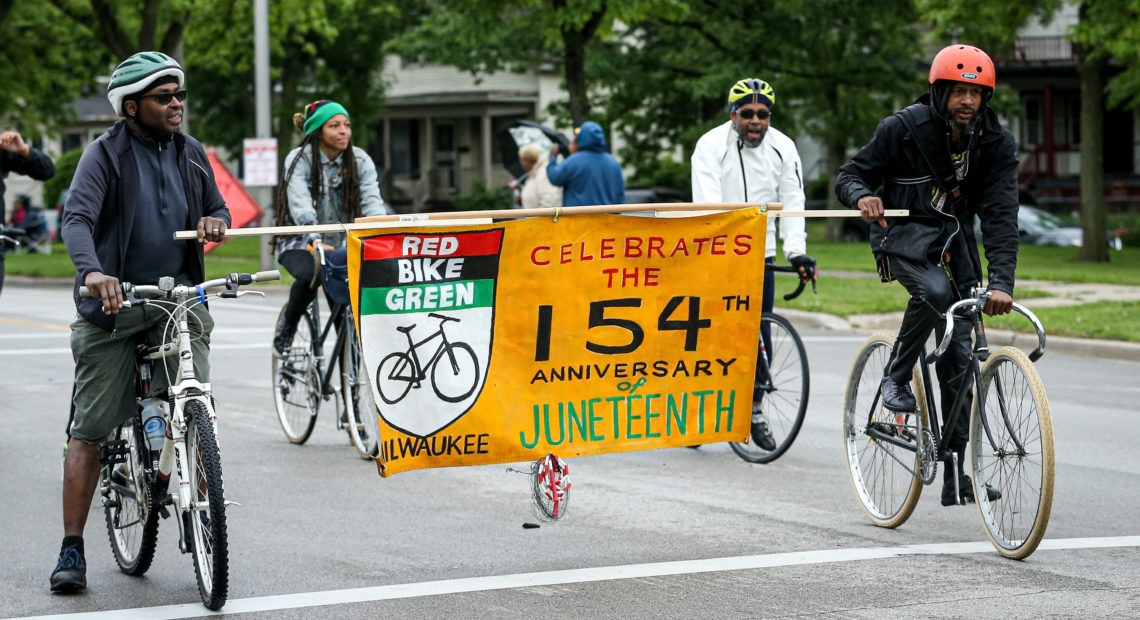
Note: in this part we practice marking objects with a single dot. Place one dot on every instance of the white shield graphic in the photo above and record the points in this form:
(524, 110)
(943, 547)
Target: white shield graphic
(427, 331)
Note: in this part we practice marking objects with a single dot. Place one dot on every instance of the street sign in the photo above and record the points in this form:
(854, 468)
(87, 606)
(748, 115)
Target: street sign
(260, 162)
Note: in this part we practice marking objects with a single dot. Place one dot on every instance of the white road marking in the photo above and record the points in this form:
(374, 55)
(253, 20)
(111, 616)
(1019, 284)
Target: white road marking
(579, 575)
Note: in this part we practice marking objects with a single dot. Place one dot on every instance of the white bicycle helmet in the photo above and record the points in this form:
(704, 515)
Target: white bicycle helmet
(136, 73)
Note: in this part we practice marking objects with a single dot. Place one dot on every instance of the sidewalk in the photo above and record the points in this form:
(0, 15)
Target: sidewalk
(1061, 294)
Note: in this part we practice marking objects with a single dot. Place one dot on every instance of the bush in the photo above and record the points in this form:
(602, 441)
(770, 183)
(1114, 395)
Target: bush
(64, 171)
(1131, 221)
(483, 198)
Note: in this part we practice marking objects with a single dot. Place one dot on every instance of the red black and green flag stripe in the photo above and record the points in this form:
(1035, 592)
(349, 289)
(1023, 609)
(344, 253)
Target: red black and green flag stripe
(411, 273)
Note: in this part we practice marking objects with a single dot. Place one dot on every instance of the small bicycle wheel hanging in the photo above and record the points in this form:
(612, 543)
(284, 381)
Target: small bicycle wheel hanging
(550, 487)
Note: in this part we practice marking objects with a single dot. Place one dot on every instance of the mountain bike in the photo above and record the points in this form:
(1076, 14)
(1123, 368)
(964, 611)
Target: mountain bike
(136, 472)
(304, 376)
(891, 455)
(783, 378)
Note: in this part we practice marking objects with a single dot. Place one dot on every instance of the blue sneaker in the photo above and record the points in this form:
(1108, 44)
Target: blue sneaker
(70, 574)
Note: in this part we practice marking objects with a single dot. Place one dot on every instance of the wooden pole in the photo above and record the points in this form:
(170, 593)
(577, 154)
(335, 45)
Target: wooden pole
(667, 209)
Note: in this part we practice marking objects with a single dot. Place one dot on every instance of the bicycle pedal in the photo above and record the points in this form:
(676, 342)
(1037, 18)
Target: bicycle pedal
(113, 452)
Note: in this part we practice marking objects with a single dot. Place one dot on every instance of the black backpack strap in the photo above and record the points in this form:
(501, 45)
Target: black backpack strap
(948, 182)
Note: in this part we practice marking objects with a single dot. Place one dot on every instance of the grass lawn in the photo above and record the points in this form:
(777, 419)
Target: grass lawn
(240, 254)
(841, 296)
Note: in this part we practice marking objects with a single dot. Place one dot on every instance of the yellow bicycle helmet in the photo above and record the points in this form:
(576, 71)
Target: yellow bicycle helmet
(751, 90)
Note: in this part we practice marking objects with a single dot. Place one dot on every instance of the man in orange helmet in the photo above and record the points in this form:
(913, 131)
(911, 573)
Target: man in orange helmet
(945, 158)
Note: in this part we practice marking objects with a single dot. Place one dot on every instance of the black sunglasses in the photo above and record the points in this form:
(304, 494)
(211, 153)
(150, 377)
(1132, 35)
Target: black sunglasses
(746, 114)
(165, 98)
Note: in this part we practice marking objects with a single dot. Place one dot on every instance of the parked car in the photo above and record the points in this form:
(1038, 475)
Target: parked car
(652, 195)
(1039, 227)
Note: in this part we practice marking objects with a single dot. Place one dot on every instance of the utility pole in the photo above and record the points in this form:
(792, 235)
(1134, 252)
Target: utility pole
(262, 94)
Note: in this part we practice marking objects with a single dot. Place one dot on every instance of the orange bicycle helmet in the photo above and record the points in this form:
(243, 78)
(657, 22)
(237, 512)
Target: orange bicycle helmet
(963, 63)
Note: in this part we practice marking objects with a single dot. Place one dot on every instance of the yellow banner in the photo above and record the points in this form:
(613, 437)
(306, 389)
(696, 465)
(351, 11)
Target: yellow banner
(584, 335)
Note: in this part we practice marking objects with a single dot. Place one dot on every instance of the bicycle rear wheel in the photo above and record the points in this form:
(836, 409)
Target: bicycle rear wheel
(881, 472)
(786, 393)
(297, 381)
(205, 517)
(1011, 450)
(129, 504)
(360, 405)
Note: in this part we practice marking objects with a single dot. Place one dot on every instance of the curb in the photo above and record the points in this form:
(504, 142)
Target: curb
(1099, 349)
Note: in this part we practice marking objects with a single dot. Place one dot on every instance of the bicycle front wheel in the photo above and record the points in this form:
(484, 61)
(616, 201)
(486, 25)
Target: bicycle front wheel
(785, 391)
(881, 470)
(456, 372)
(1011, 450)
(360, 405)
(129, 504)
(205, 517)
(297, 381)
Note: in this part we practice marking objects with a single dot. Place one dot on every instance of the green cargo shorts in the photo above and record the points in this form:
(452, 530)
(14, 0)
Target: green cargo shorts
(105, 365)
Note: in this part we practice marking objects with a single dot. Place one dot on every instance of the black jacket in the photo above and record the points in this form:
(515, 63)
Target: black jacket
(36, 165)
(892, 167)
(100, 212)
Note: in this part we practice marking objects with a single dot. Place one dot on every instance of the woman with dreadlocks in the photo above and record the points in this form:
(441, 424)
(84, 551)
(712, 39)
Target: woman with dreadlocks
(327, 181)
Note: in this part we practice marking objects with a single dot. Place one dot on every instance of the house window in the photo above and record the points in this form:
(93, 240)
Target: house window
(405, 147)
(1067, 120)
(1031, 129)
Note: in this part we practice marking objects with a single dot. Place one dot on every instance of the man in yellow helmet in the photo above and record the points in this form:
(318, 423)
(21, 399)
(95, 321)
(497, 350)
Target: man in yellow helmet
(748, 160)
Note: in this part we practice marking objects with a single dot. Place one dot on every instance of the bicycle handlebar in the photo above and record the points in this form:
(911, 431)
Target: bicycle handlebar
(803, 280)
(13, 235)
(230, 282)
(975, 305)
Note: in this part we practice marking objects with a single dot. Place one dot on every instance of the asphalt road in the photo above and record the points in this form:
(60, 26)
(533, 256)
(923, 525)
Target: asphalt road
(673, 533)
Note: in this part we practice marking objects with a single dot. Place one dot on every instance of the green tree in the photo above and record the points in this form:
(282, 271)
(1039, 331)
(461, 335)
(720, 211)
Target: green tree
(485, 36)
(45, 64)
(1107, 32)
(320, 49)
(836, 72)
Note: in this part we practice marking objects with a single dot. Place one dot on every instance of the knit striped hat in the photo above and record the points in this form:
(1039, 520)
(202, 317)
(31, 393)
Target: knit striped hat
(317, 114)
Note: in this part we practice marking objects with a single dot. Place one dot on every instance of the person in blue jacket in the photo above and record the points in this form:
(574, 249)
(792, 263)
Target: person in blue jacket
(591, 176)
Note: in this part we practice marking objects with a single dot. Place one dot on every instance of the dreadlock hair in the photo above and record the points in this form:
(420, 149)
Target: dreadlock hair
(349, 182)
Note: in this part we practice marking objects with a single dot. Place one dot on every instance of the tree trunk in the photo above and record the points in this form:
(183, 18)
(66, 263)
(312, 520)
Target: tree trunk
(1094, 248)
(836, 157)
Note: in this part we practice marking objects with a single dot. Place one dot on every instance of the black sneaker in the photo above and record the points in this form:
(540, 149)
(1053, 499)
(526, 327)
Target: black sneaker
(897, 396)
(760, 433)
(70, 574)
(283, 337)
(966, 488)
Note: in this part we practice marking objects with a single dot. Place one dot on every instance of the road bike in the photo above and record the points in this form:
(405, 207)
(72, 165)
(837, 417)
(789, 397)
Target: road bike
(782, 377)
(137, 472)
(453, 367)
(890, 455)
(303, 376)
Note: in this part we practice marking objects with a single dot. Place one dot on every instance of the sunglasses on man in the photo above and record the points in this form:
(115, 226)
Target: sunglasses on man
(745, 114)
(166, 98)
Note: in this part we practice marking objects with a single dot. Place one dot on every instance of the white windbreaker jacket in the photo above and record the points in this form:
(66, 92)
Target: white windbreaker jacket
(771, 172)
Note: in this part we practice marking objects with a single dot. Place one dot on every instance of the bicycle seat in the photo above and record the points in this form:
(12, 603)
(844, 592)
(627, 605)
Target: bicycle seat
(406, 328)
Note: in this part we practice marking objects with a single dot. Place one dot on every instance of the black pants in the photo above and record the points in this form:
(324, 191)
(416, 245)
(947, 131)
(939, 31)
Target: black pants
(766, 306)
(300, 265)
(931, 293)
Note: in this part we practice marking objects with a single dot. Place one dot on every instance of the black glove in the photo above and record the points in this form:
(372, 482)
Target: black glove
(806, 263)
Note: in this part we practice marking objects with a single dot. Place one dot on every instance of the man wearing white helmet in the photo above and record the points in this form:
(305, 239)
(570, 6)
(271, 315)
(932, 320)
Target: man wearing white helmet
(134, 187)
